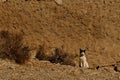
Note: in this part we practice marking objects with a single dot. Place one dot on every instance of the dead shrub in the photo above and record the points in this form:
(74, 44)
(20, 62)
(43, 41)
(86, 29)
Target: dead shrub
(59, 56)
(22, 55)
(41, 53)
(69, 60)
(13, 48)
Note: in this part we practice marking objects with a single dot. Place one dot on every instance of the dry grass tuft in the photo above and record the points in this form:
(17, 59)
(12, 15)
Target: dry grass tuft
(41, 53)
(13, 48)
(59, 56)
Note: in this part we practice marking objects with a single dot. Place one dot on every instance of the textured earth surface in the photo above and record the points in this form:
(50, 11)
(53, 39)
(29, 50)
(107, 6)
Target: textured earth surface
(44, 70)
(93, 25)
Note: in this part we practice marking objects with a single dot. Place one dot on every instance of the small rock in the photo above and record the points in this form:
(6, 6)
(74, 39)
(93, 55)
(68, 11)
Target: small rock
(3, 0)
(11, 67)
(59, 2)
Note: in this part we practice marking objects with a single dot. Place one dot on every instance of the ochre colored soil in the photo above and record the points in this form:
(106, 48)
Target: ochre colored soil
(93, 25)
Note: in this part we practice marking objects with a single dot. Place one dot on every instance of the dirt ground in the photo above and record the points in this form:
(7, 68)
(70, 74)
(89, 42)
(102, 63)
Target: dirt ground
(44, 70)
(88, 24)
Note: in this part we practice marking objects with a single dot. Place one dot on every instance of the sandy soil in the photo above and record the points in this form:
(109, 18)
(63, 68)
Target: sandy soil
(89, 24)
(44, 70)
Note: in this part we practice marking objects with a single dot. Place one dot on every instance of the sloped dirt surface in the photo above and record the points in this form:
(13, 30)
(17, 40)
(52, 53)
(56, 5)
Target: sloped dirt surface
(89, 24)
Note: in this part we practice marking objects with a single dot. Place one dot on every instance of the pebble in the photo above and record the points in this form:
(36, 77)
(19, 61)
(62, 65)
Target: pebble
(59, 2)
